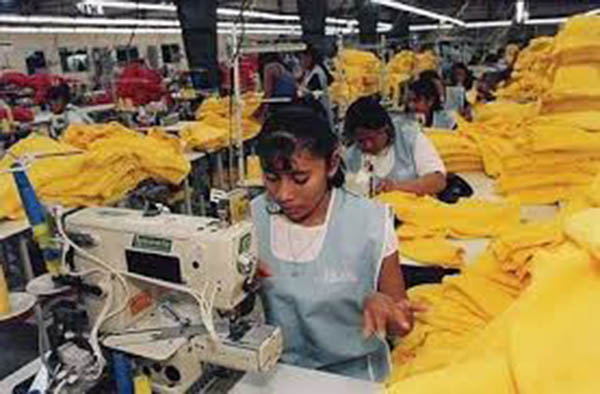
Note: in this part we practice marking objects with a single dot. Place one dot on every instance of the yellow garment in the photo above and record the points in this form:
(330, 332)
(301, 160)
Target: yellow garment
(104, 173)
(459, 152)
(4, 296)
(358, 74)
(436, 251)
(469, 218)
(584, 229)
(82, 136)
(533, 72)
(503, 355)
(253, 168)
(213, 132)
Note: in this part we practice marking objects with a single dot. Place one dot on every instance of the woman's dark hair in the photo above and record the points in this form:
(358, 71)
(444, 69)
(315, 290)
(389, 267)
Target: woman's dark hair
(59, 92)
(297, 127)
(318, 60)
(426, 88)
(368, 113)
(430, 75)
(461, 66)
(268, 58)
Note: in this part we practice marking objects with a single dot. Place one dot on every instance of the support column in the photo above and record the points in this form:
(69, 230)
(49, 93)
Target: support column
(198, 19)
(368, 16)
(312, 18)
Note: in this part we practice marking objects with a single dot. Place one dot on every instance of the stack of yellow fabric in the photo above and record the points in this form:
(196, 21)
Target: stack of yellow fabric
(532, 76)
(428, 222)
(404, 66)
(539, 159)
(459, 152)
(213, 129)
(528, 298)
(358, 74)
(109, 167)
(576, 82)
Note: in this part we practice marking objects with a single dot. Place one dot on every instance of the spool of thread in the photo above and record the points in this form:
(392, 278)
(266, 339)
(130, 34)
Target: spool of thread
(122, 373)
(253, 167)
(4, 298)
(142, 384)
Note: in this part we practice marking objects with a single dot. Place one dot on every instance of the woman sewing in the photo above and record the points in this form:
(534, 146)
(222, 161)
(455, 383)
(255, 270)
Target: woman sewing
(332, 278)
(396, 153)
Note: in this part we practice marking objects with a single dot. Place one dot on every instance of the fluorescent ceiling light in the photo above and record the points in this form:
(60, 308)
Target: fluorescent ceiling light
(419, 11)
(546, 21)
(231, 12)
(9, 18)
(482, 24)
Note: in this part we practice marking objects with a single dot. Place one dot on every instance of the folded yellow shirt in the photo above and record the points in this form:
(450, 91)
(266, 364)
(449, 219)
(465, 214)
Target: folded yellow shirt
(436, 251)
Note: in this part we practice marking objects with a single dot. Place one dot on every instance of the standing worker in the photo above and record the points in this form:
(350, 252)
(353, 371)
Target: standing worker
(277, 82)
(329, 259)
(401, 157)
(316, 80)
(65, 113)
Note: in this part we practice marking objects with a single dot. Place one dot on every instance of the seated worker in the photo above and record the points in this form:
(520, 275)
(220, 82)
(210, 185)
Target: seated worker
(402, 158)
(427, 105)
(328, 259)
(59, 99)
(316, 77)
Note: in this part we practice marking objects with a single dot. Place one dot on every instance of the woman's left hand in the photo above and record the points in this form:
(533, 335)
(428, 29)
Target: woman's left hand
(383, 315)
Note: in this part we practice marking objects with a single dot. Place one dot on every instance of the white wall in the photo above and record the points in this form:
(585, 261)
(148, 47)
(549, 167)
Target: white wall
(13, 56)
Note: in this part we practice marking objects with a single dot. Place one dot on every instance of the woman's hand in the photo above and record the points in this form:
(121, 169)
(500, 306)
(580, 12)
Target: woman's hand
(383, 315)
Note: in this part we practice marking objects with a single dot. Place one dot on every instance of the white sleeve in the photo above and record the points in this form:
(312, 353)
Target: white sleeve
(390, 245)
(427, 159)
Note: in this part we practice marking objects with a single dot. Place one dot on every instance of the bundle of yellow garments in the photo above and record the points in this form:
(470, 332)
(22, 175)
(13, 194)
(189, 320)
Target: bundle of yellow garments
(532, 75)
(459, 152)
(213, 129)
(104, 172)
(576, 80)
(404, 66)
(428, 222)
(358, 74)
(528, 298)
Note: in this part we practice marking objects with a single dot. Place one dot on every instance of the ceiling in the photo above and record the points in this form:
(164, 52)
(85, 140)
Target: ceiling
(468, 10)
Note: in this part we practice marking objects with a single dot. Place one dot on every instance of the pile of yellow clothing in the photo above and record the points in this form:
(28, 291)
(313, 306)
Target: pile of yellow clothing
(517, 321)
(538, 159)
(428, 222)
(404, 66)
(358, 74)
(107, 168)
(459, 152)
(532, 75)
(576, 79)
(213, 129)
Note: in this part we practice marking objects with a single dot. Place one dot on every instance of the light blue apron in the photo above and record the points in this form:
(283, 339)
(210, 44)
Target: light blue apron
(319, 304)
(443, 120)
(405, 167)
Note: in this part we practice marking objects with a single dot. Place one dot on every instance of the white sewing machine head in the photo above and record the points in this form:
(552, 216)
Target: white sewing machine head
(153, 252)
(179, 249)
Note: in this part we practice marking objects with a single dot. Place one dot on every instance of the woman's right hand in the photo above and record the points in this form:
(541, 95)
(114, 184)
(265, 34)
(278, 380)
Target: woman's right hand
(263, 271)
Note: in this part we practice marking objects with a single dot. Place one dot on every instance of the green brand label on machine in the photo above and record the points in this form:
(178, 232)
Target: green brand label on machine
(152, 243)
(245, 243)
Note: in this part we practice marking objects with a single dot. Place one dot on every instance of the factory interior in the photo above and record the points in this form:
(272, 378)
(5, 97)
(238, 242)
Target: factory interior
(299, 196)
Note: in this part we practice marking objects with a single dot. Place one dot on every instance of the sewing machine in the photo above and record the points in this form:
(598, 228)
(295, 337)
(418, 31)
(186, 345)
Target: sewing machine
(171, 263)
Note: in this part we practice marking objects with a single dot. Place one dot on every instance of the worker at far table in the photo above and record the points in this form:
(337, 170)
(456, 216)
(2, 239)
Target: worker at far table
(316, 78)
(396, 152)
(426, 103)
(328, 259)
(65, 113)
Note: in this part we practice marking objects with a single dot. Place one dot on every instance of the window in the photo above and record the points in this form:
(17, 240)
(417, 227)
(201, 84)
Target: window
(74, 60)
(170, 53)
(34, 60)
(127, 54)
